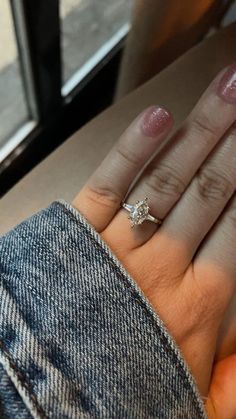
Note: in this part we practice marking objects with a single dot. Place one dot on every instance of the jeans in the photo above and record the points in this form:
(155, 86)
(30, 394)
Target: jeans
(78, 339)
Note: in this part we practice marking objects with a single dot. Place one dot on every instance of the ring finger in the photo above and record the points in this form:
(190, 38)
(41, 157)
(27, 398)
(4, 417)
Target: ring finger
(101, 196)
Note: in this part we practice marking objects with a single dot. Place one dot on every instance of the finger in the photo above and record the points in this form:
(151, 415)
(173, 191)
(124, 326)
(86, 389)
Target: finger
(100, 198)
(204, 200)
(168, 175)
(218, 252)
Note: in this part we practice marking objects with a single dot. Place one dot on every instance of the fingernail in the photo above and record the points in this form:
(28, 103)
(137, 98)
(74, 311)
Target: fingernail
(227, 85)
(155, 120)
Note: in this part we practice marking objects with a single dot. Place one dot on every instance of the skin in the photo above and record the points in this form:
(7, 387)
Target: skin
(186, 268)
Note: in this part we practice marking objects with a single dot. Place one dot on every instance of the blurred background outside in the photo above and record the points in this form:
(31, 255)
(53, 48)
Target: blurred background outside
(86, 27)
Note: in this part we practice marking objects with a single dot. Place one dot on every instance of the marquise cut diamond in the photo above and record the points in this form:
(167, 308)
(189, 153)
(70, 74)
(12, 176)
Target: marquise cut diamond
(139, 212)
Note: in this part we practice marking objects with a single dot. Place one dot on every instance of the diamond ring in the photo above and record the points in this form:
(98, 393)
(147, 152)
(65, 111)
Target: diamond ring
(139, 213)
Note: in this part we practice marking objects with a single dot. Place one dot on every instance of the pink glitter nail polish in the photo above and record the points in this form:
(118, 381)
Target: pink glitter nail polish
(227, 85)
(155, 121)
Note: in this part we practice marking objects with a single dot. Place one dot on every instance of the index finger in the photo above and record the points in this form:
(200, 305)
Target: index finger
(101, 197)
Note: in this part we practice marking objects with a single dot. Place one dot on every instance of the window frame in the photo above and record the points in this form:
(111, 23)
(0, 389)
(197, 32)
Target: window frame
(53, 107)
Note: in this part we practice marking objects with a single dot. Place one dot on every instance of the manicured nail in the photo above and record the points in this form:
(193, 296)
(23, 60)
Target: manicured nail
(155, 120)
(227, 85)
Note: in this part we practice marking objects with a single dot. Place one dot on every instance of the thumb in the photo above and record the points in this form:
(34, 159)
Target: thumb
(221, 401)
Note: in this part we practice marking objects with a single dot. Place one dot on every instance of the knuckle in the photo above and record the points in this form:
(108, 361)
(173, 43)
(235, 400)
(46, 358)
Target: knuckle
(213, 186)
(128, 156)
(104, 196)
(165, 180)
(203, 125)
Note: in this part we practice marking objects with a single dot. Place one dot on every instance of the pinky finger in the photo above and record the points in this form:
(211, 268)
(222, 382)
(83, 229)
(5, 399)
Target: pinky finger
(101, 196)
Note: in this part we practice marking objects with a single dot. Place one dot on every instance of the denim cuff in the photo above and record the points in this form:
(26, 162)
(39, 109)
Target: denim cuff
(78, 338)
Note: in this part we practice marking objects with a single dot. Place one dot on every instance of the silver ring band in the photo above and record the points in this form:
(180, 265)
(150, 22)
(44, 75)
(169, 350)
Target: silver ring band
(139, 212)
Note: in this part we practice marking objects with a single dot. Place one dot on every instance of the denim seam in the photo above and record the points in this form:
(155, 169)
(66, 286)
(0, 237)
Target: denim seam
(116, 264)
(24, 383)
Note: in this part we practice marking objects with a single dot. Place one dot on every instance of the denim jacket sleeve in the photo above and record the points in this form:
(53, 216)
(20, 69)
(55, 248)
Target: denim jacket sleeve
(78, 339)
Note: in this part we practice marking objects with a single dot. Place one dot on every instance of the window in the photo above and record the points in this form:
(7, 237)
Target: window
(54, 55)
(13, 108)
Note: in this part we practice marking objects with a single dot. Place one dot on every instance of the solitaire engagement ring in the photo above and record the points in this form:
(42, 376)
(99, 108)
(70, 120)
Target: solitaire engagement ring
(139, 213)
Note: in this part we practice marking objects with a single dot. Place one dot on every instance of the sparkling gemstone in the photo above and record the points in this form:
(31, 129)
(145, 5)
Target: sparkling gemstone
(139, 212)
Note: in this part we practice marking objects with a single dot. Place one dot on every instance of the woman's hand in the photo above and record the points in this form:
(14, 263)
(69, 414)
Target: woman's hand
(186, 267)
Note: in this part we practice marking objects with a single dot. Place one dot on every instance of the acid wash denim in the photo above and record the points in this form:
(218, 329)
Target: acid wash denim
(78, 339)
